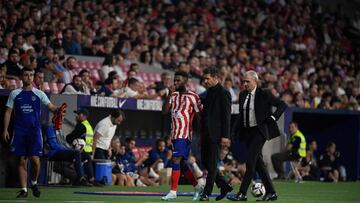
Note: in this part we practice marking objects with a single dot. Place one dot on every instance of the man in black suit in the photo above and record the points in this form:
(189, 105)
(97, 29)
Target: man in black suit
(255, 124)
(216, 124)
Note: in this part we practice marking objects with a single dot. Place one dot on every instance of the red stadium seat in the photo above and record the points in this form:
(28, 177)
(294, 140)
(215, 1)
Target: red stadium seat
(81, 64)
(94, 74)
(46, 87)
(53, 88)
(97, 65)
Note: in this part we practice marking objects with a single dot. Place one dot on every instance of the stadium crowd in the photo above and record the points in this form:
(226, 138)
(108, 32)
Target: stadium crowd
(303, 52)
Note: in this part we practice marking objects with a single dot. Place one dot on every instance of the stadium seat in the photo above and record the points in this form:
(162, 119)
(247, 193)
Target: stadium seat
(53, 88)
(94, 74)
(46, 87)
(81, 64)
(96, 65)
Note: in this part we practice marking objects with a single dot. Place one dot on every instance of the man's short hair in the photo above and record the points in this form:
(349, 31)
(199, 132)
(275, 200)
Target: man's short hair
(129, 139)
(182, 74)
(212, 71)
(83, 71)
(26, 69)
(132, 81)
(116, 113)
(253, 74)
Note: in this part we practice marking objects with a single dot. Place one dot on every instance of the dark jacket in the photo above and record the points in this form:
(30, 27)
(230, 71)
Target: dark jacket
(216, 114)
(264, 101)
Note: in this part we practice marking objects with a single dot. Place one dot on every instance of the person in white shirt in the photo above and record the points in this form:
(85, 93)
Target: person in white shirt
(104, 132)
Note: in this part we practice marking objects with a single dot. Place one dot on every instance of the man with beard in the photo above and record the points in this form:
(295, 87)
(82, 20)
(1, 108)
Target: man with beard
(75, 87)
(183, 105)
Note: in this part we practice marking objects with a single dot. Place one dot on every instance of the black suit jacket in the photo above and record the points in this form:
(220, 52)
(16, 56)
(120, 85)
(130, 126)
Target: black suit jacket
(264, 101)
(216, 114)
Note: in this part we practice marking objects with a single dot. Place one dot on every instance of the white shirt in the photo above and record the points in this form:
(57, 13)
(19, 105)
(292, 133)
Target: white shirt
(130, 93)
(252, 121)
(107, 131)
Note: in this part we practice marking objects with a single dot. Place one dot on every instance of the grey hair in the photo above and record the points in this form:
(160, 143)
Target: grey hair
(253, 74)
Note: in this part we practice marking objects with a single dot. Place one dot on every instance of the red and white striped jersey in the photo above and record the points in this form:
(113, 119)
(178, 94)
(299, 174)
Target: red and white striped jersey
(183, 109)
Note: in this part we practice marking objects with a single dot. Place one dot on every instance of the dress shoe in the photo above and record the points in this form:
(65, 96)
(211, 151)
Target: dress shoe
(204, 197)
(238, 197)
(270, 197)
(223, 192)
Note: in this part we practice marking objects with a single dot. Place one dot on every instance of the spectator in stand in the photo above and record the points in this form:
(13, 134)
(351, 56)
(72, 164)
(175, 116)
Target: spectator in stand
(47, 54)
(88, 83)
(108, 66)
(2, 79)
(228, 85)
(69, 44)
(77, 86)
(12, 64)
(50, 73)
(163, 85)
(135, 90)
(109, 88)
(39, 80)
(70, 68)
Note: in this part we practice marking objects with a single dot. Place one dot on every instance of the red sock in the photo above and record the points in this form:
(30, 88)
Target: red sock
(175, 176)
(190, 177)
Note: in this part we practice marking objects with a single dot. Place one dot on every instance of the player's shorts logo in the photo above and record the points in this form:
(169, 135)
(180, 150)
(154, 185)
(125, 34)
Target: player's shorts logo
(33, 98)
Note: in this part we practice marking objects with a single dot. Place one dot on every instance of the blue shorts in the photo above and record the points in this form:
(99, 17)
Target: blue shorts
(182, 148)
(27, 142)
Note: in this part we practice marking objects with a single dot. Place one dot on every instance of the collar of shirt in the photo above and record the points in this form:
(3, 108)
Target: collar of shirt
(253, 91)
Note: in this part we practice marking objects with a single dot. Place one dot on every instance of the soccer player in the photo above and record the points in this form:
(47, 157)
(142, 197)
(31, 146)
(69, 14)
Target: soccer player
(183, 104)
(27, 141)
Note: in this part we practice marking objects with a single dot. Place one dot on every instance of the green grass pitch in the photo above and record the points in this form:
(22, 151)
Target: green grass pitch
(306, 192)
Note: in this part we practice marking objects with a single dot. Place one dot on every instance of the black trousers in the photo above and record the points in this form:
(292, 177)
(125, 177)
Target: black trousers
(278, 159)
(254, 142)
(210, 158)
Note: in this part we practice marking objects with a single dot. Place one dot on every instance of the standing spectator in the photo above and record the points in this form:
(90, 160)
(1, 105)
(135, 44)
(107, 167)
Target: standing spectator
(27, 140)
(104, 132)
(255, 124)
(216, 124)
(184, 105)
(295, 150)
